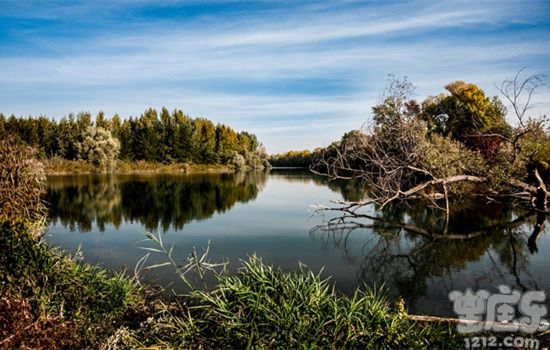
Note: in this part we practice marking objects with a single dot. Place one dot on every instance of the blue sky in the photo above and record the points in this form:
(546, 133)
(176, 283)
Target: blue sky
(297, 73)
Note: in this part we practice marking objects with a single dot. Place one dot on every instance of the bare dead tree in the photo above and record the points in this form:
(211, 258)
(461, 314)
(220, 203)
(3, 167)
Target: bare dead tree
(519, 93)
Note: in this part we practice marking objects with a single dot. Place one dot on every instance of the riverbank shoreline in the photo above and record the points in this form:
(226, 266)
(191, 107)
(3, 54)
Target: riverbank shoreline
(59, 167)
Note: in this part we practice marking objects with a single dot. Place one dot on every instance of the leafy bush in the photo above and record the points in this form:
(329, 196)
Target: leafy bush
(469, 116)
(257, 160)
(464, 111)
(237, 160)
(535, 147)
(46, 299)
(99, 148)
(445, 157)
(542, 157)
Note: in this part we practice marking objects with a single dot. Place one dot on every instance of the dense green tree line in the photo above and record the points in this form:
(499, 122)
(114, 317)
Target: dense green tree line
(153, 136)
(301, 159)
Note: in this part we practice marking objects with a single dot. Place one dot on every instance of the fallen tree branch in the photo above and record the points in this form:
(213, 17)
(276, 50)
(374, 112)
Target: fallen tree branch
(501, 325)
(522, 185)
(445, 181)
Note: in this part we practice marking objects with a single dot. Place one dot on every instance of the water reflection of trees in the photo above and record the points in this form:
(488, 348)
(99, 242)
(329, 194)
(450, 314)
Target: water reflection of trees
(404, 247)
(155, 201)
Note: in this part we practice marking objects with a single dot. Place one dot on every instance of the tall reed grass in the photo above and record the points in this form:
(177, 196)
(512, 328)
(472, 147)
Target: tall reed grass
(262, 306)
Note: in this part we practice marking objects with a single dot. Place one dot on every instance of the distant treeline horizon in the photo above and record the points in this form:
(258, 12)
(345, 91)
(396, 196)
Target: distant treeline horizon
(165, 136)
(299, 159)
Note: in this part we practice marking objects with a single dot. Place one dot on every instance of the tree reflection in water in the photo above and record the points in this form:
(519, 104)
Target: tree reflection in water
(171, 201)
(405, 247)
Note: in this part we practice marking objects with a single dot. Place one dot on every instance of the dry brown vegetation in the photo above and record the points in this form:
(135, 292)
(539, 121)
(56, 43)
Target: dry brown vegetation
(22, 328)
(22, 182)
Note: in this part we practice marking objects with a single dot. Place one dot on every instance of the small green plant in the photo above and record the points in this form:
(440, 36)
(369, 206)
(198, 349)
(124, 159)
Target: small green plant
(194, 262)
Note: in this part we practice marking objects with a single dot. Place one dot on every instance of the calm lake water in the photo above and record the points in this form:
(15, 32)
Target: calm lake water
(270, 215)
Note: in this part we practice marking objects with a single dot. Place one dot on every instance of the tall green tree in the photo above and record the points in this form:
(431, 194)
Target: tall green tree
(183, 137)
(466, 110)
(204, 139)
(102, 122)
(226, 143)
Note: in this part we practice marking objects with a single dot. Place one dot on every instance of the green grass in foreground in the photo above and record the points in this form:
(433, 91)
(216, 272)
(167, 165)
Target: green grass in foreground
(50, 301)
(264, 307)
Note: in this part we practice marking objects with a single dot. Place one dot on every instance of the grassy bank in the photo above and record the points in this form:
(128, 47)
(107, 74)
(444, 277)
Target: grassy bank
(59, 166)
(49, 300)
(264, 307)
